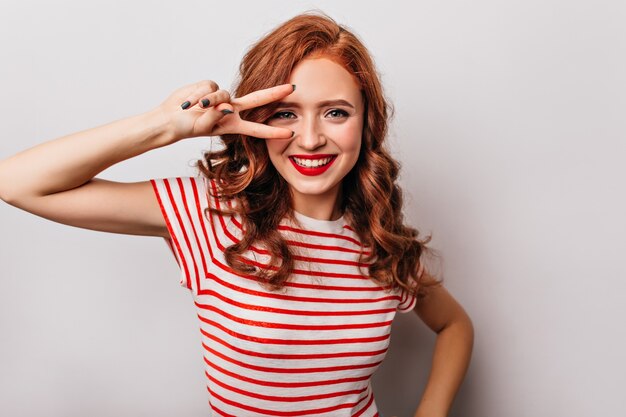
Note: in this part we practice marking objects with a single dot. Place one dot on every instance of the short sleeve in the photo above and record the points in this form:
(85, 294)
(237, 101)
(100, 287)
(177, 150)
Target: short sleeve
(183, 201)
(407, 300)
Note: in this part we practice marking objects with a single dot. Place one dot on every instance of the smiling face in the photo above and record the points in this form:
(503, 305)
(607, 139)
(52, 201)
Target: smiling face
(326, 113)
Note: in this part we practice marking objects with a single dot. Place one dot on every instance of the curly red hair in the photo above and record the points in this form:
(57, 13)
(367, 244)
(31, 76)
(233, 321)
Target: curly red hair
(371, 200)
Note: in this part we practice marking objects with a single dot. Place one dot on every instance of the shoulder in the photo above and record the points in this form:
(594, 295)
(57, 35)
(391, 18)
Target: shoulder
(180, 192)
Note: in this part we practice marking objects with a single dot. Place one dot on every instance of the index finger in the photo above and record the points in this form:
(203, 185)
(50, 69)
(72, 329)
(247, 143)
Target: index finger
(265, 96)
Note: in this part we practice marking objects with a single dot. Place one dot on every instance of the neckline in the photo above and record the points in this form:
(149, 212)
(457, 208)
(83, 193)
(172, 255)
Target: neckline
(328, 226)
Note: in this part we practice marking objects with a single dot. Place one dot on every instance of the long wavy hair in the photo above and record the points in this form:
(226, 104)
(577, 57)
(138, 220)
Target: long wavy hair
(371, 201)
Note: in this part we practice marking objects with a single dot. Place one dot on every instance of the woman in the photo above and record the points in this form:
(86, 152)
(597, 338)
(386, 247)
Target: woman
(291, 241)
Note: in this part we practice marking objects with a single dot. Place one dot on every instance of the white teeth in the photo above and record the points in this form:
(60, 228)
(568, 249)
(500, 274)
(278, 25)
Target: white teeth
(312, 163)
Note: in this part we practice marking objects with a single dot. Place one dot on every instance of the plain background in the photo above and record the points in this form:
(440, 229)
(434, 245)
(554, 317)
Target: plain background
(511, 132)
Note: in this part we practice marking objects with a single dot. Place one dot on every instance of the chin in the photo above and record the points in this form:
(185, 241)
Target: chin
(311, 189)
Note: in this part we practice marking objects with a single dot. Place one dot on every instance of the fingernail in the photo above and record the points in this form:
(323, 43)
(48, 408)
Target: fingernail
(226, 111)
(293, 133)
(205, 102)
(185, 105)
(294, 87)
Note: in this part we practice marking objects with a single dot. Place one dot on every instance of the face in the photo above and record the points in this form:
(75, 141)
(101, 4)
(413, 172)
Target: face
(326, 114)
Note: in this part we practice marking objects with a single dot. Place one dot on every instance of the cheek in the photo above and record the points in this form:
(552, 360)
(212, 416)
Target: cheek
(275, 151)
(348, 137)
(275, 147)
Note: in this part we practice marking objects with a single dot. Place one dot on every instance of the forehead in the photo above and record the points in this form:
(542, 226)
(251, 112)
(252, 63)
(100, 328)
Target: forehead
(318, 79)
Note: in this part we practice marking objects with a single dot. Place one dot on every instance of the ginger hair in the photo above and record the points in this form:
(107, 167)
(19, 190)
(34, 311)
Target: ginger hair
(371, 201)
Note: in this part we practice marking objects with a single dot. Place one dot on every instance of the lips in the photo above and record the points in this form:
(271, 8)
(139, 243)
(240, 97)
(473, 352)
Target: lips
(312, 164)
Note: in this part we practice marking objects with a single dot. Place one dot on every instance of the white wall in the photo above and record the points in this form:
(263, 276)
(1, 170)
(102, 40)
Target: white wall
(510, 127)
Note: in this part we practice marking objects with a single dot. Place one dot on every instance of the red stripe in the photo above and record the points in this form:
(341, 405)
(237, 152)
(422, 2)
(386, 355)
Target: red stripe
(222, 248)
(182, 223)
(371, 400)
(224, 414)
(319, 234)
(292, 284)
(325, 247)
(302, 284)
(264, 340)
(408, 306)
(297, 298)
(331, 261)
(170, 245)
(171, 229)
(289, 326)
(285, 356)
(199, 218)
(283, 399)
(280, 227)
(284, 370)
(238, 224)
(284, 413)
(402, 297)
(290, 312)
(301, 384)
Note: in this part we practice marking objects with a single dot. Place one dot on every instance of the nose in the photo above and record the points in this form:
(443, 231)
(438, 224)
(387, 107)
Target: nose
(309, 134)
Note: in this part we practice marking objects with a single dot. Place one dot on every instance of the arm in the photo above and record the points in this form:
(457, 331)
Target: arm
(453, 349)
(56, 180)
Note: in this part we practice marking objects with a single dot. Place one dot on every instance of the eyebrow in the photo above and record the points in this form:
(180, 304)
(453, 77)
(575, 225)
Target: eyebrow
(320, 104)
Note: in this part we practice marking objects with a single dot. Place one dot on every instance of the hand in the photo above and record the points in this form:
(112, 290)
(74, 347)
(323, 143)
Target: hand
(197, 120)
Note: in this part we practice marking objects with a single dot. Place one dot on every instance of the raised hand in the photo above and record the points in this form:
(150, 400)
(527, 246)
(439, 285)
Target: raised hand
(203, 109)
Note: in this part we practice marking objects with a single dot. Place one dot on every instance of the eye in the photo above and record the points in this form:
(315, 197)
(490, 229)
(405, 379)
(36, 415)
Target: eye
(283, 115)
(337, 113)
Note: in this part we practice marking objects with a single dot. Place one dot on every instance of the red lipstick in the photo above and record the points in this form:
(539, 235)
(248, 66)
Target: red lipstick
(310, 171)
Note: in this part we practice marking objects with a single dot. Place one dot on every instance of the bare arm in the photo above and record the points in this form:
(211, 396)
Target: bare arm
(55, 179)
(453, 350)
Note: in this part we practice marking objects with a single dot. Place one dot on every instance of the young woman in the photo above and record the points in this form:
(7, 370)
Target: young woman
(291, 240)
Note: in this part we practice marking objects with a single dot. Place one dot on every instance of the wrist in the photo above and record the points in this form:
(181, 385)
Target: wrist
(162, 132)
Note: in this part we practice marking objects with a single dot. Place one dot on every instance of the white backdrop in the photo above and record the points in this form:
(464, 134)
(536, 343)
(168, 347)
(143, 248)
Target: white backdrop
(510, 128)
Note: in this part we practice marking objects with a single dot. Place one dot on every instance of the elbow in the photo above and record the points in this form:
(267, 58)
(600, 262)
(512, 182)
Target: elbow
(9, 197)
(463, 326)
(9, 200)
(467, 328)
(5, 197)
(5, 194)
(11, 191)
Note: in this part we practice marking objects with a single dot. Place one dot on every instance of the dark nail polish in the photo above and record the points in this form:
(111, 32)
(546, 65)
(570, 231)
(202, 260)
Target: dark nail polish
(226, 111)
(185, 105)
(205, 102)
(294, 87)
(293, 133)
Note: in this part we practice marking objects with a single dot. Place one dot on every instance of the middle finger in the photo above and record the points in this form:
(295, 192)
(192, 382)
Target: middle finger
(262, 131)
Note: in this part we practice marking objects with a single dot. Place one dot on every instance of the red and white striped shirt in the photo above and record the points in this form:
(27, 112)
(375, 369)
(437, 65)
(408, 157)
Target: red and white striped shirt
(307, 350)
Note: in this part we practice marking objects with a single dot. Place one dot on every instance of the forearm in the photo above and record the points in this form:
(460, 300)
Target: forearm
(453, 349)
(70, 161)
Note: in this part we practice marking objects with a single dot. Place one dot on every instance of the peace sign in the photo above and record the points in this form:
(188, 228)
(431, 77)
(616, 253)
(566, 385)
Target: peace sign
(203, 109)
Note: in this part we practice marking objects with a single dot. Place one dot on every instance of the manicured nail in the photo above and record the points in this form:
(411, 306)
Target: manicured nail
(294, 87)
(205, 102)
(185, 105)
(293, 133)
(226, 111)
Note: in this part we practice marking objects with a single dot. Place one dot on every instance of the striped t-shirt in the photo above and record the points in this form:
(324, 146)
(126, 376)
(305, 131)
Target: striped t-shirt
(307, 350)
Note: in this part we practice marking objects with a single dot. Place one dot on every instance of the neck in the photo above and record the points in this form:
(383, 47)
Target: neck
(318, 206)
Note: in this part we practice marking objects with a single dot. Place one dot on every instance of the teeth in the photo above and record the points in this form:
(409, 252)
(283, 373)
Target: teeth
(312, 163)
